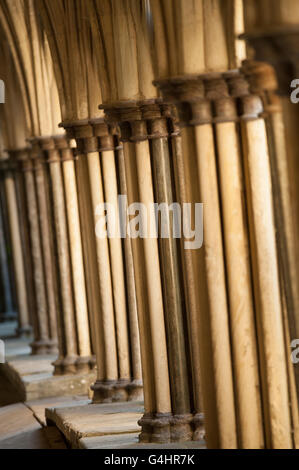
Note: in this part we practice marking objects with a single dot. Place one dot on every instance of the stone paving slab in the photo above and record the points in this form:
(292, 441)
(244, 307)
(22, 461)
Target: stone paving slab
(80, 422)
(30, 365)
(131, 441)
(20, 430)
(15, 419)
(32, 440)
(38, 407)
(47, 386)
(32, 377)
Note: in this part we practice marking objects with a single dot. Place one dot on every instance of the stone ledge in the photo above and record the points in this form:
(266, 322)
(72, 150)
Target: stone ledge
(32, 377)
(131, 441)
(80, 422)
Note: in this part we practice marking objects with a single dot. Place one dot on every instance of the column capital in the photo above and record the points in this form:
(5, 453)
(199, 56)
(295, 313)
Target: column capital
(94, 135)
(142, 120)
(18, 159)
(263, 82)
(211, 98)
(52, 148)
(278, 46)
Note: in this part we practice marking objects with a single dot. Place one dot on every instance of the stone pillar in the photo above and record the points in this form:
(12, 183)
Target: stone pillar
(224, 99)
(145, 128)
(264, 83)
(7, 311)
(42, 342)
(16, 243)
(85, 359)
(73, 322)
(116, 381)
(46, 234)
(16, 157)
(67, 357)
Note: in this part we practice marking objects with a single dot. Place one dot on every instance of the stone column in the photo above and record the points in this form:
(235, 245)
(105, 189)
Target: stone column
(213, 245)
(130, 280)
(115, 380)
(238, 266)
(266, 275)
(46, 241)
(168, 417)
(42, 342)
(224, 99)
(67, 335)
(75, 354)
(76, 251)
(263, 82)
(16, 156)
(18, 260)
(7, 312)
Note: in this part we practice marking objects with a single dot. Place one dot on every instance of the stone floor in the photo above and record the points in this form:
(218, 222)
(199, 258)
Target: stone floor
(32, 376)
(28, 420)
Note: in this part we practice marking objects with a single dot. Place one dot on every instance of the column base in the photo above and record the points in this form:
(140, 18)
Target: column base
(72, 365)
(44, 347)
(166, 428)
(85, 364)
(65, 365)
(8, 317)
(110, 391)
(24, 331)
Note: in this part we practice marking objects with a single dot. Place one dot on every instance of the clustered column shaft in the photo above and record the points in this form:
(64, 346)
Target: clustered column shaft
(145, 129)
(73, 320)
(7, 178)
(119, 368)
(224, 102)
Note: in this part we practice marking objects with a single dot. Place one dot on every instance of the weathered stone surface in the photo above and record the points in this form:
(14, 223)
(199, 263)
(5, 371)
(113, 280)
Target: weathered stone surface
(29, 365)
(95, 420)
(33, 377)
(34, 439)
(130, 441)
(19, 429)
(46, 385)
(120, 441)
(14, 418)
(55, 438)
(38, 407)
